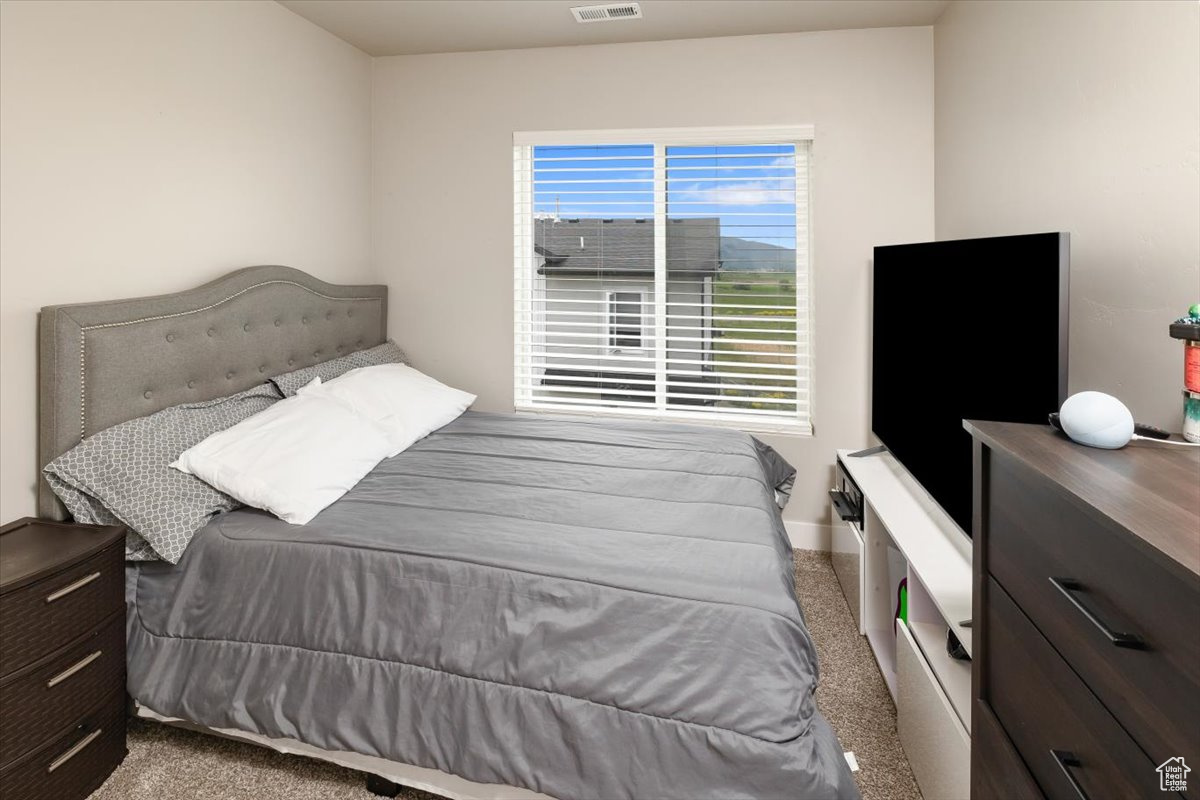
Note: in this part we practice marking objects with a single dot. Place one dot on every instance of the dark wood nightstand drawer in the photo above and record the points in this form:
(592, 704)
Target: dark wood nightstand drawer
(1070, 743)
(1086, 587)
(46, 697)
(40, 617)
(75, 762)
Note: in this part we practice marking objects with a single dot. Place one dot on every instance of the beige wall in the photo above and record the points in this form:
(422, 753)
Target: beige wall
(443, 190)
(148, 147)
(1084, 117)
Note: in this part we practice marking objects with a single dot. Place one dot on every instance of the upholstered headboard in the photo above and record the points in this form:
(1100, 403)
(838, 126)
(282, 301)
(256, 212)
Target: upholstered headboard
(105, 363)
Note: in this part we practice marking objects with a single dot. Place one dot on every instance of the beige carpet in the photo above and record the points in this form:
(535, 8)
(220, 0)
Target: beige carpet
(169, 764)
(850, 691)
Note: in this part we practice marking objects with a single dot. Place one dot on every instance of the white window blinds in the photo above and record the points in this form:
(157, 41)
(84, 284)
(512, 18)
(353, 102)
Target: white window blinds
(664, 276)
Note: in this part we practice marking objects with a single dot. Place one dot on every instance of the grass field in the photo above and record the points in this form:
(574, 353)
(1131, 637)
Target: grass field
(754, 320)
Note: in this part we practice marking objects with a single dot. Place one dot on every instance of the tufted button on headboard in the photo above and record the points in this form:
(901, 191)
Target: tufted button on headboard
(105, 363)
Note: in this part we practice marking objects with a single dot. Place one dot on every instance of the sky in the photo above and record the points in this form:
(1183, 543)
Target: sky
(751, 188)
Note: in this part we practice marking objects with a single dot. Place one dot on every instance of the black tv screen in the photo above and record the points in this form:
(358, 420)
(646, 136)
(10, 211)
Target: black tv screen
(966, 329)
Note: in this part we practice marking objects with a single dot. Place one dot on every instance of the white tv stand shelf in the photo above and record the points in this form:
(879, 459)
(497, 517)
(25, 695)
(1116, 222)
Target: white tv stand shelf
(903, 534)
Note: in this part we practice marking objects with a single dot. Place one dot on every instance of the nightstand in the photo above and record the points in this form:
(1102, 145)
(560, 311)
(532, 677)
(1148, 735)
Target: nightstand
(62, 658)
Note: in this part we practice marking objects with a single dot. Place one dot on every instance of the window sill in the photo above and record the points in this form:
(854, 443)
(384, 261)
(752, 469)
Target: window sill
(777, 427)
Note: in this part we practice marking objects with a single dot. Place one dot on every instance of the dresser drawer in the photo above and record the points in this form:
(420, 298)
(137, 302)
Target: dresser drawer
(1072, 746)
(76, 762)
(1084, 584)
(46, 697)
(997, 771)
(39, 618)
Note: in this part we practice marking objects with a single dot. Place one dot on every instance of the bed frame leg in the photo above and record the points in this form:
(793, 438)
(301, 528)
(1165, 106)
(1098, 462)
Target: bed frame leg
(382, 786)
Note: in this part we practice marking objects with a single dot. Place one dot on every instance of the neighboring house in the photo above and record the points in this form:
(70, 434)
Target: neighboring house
(596, 281)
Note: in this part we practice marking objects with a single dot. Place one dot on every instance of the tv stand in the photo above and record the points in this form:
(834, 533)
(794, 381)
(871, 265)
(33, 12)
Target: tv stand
(895, 534)
(870, 451)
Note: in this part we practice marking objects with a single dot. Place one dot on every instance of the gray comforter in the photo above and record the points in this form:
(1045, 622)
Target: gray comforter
(585, 609)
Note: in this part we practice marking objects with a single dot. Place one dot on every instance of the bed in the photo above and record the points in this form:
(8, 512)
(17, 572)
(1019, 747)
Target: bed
(514, 607)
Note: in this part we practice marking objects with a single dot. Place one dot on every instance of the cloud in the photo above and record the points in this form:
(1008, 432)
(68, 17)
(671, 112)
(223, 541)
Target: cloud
(750, 193)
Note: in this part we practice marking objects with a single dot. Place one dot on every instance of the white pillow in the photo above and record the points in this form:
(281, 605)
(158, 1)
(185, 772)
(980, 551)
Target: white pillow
(293, 459)
(409, 404)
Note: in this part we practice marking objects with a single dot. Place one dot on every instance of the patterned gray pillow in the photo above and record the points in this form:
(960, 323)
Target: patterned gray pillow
(87, 509)
(387, 353)
(123, 474)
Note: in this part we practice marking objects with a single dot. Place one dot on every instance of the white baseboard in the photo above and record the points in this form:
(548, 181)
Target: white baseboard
(809, 535)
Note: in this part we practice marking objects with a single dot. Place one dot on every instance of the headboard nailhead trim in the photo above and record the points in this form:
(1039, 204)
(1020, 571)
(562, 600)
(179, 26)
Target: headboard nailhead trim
(82, 387)
(83, 330)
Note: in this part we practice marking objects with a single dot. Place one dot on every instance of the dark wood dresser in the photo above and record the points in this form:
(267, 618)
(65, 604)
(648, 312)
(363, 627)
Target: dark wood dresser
(1086, 671)
(62, 658)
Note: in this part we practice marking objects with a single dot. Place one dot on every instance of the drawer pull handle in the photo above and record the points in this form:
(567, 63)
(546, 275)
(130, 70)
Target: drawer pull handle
(69, 671)
(74, 751)
(1066, 760)
(1068, 587)
(66, 590)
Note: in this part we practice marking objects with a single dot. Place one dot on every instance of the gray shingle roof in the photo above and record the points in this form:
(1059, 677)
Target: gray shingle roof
(592, 246)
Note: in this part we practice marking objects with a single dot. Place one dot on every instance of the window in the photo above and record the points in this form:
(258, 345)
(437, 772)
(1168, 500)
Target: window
(664, 274)
(625, 320)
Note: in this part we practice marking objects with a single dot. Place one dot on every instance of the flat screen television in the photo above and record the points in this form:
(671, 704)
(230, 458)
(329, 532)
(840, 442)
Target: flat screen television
(965, 329)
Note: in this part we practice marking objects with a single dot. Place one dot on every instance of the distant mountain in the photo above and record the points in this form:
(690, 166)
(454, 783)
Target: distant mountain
(746, 255)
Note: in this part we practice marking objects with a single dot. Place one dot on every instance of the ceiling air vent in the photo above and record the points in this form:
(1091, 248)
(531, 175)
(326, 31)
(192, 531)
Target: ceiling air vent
(607, 13)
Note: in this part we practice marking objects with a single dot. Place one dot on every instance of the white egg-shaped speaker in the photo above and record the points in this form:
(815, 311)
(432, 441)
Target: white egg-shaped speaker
(1097, 420)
